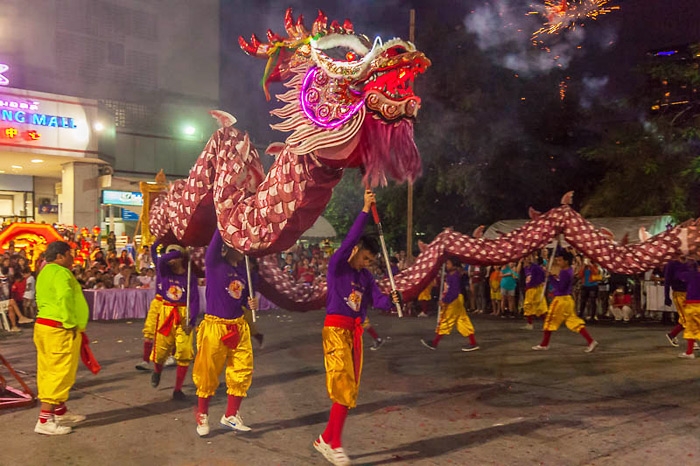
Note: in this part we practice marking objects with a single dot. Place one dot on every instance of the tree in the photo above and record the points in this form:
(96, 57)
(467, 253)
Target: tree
(652, 164)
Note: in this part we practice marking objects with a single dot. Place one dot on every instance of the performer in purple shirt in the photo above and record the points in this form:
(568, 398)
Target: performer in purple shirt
(691, 278)
(452, 311)
(351, 288)
(223, 337)
(174, 330)
(562, 310)
(675, 293)
(535, 304)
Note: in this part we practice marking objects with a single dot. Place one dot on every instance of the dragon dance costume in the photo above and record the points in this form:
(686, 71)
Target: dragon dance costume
(63, 316)
(691, 314)
(535, 303)
(675, 291)
(453, 313)
(223, 337)
(60, 341)
(350, 291)
(562, 310)
(172, 296)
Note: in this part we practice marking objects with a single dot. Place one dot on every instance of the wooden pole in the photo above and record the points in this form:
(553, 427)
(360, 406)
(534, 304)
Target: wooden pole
(409, 213)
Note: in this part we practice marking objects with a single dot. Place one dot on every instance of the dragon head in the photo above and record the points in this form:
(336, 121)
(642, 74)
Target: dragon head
(350, 100)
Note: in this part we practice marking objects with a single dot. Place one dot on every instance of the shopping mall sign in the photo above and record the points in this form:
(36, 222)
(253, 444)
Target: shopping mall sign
(46, 123)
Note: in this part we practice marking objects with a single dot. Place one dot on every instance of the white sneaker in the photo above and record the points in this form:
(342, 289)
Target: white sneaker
(528, 327)
(234, 422)
(51, 428)
(422, 314)
(696, 346)
(170, 362)
(687, 356)
(143, 366)
(322, 447)
(335, 456)
(540, 348)
(338, 457)
(590, 348)
(69, 418)
(377, 344)
(202, 424)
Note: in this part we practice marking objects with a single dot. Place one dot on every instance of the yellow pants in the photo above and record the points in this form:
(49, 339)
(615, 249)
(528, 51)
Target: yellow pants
(563, 311)
(163, 345)
(149, 325)
(535, 304)
(248, 314)
(57, 357)
(455, 314)
(340, 367)
(213, 355)
(692, 321)
(679, 302)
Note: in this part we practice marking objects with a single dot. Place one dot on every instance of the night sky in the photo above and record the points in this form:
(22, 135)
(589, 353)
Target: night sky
(610, 47)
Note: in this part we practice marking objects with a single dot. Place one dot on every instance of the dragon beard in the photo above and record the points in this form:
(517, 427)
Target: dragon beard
(387, 148)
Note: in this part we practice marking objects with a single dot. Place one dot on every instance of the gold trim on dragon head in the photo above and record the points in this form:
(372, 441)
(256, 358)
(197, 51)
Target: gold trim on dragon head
(338, 82)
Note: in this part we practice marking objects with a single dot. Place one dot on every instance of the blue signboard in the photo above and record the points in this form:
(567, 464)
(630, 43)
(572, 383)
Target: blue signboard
(129, 216)
(122, 198)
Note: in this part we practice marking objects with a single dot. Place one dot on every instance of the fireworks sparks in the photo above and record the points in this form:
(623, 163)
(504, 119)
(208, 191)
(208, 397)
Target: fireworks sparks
(567, 14)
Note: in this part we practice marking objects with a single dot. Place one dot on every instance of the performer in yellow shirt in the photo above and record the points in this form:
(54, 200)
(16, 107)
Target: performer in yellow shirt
(62, 318)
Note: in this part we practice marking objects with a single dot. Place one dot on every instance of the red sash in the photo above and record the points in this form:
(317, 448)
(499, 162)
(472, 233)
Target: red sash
(232, 338)
(86, 355)
(355, 326)
(172, 319)
(49, 322)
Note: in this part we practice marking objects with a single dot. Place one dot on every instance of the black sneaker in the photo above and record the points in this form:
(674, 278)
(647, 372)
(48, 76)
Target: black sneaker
(179, 396)
(155, 379)
(259, 339)
(428, 344)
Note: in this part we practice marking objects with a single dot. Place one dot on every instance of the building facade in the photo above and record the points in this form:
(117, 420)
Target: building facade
(130, 83)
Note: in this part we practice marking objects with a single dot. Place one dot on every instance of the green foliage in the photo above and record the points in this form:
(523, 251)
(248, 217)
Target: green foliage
(651, 166)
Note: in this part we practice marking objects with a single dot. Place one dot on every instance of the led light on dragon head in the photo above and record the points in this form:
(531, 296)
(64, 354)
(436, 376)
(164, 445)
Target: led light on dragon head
(336, 79)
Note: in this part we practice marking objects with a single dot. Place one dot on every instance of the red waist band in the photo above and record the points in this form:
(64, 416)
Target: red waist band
(49, 322)
(341, 321)
(167, 303)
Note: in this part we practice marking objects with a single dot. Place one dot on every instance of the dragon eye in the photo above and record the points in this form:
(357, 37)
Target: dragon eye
(351, 56)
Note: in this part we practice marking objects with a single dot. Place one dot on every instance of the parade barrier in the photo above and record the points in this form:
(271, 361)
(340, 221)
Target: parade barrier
(133, 303)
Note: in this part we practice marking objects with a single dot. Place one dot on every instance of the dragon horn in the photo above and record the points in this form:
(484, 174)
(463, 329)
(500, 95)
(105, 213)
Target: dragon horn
(335, 26)
(272, 37)
(253, 48)
(320, 23)
(349, 28)
(300, 28)
(289, 23)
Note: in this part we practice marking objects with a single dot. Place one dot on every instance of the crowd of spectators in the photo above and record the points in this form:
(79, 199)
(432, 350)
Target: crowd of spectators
(17, 288)
(306, 263)
(599, 295)
(111, 270)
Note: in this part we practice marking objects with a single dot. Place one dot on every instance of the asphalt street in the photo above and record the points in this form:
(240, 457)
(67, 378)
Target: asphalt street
(632, 401)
